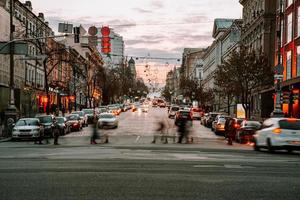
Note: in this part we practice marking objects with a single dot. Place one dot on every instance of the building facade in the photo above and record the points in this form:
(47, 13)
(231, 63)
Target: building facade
(290, 51)
(259, 31)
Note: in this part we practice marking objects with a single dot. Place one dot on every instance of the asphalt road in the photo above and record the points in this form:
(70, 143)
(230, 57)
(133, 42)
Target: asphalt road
(130, 167)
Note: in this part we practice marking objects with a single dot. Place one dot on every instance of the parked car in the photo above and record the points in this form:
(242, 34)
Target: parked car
(218, 125)
(47, 122)
(64, 128)
(210, 118)
(196, 113)
(183, 115)
(144, 108)
(278, 133)
(107, 120)
(26, 128)
(89, 112)
(172, 111)
(114, 110)
(74, 122)
(246, 131)
(83, 117)
(203, 119)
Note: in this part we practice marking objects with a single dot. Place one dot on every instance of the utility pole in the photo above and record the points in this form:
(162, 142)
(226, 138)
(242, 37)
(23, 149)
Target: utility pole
(11, 111)
(278, 70)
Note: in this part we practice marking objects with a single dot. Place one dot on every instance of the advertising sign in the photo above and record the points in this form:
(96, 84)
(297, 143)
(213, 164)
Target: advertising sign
(240, 111)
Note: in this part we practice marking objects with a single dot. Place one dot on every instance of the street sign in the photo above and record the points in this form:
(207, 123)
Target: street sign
(21, 48)
(65, 28)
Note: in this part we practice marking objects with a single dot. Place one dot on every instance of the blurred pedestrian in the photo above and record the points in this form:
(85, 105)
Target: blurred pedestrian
(183, 130)
(63, 110)
(56, 131)
(161, 130)
(95, 134)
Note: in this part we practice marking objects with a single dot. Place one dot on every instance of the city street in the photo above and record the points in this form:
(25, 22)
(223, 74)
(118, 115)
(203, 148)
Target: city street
(130, 167)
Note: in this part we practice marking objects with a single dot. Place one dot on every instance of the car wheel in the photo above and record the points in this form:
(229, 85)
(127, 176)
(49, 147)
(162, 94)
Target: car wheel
(269, 146)
(255, 146)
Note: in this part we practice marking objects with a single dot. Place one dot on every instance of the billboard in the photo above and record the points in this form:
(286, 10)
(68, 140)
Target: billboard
(240, 111)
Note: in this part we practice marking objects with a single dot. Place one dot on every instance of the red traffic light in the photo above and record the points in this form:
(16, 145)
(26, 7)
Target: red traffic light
(105, 31)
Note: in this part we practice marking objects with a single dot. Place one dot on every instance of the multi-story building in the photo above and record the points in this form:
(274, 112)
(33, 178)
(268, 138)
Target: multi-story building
(259, 34)
(290, 51)
(191, 59)
(131, 65)
(29, 71)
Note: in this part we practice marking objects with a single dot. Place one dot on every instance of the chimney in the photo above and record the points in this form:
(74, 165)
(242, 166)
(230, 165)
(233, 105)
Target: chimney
(28, 5)
(41, 16)
(47, 23)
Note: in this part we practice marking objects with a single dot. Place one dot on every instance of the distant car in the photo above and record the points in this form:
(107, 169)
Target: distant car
(203, 119)
(74, 122)
(218, 125)
(278, 133)
(27, 128)
(172, 111)
(210, 118)
(47, 122)
(196, 113)
(183, 115)
(89, 112)
(107, 120)
(83, 117)
(246, 131)
(63, 126)
(144, 108)
(114, 110)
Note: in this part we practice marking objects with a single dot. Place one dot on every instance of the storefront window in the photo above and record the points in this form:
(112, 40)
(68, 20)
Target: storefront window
(298, 60)
(289, 65)
(289, 27)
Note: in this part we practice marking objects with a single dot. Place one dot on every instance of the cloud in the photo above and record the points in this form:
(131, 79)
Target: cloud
(143, 11)
(196, 19)
(157, 4)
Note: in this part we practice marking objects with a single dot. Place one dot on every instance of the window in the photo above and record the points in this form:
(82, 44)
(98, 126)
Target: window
(289, 65)
(289, 27)
(298, 60)
(298, 21)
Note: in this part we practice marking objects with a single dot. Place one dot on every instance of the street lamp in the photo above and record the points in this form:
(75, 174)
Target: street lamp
(11, 111)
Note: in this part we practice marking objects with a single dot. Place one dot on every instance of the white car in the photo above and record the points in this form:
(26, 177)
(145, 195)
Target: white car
(27, 128)
(172, 111)
(278, 133)
(107, 120)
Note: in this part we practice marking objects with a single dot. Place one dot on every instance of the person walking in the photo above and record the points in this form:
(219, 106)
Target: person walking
(95, 134)
(56, 131)
(161, 130)
(182, 129)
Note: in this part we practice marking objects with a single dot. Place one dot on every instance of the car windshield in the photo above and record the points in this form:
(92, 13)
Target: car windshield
(253, 124)
(73, 117)
(60, 120)
(290, 124)
(106, 116)
(175, 108)
(45, 119)
(27, 122)
(81, 114)
(88, 111)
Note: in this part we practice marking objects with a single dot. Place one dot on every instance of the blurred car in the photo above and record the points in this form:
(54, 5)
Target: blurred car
(107, 120)
(196, 113)
(218, 125)
(114, 110)
(47, 122)
(172, 111)
(27, 128)
(278, 133)
(210, 118)
(203, 119)
(74, 122)
(64, 128)
(83, 117)
(246, 131)
(89, 112)
(144, 108)
(135, 107)
(183, 115)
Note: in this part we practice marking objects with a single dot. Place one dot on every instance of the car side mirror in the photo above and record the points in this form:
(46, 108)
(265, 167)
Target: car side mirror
(13, 125)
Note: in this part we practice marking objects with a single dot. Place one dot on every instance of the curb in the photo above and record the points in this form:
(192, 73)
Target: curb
(5, 139)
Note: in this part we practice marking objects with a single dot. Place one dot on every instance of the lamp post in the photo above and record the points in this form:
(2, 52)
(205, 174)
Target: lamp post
(278, 70)
(11, 110)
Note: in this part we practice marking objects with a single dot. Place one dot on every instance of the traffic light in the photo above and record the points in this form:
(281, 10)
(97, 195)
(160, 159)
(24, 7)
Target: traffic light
(105, 40)
(76, 34)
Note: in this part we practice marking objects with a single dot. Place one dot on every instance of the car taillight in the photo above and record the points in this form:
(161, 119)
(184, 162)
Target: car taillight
(277, 131)
(236, 126)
